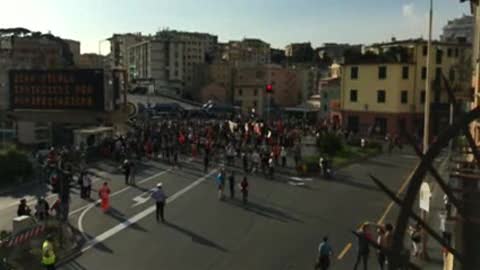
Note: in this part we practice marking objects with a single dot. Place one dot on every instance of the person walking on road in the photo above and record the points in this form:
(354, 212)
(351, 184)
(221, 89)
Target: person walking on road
(160, 198)
(48, 254)
(244, 190)
(325, 252)
(126, 171)
(133, 171)
(220, 184)
(384, 240)
(104, 194)
(363, 246)
(231, 183)
(42, 209)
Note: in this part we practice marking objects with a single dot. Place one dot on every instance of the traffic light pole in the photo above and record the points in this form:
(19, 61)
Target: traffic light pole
(268, 108)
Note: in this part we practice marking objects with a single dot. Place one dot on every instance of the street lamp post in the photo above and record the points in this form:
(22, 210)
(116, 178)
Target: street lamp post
(426, 117)
(426, 126)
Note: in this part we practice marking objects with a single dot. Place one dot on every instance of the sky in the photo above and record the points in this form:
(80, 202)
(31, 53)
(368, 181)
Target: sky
(278, 22)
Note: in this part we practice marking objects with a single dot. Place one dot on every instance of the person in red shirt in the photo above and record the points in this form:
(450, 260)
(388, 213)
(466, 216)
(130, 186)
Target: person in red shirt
(104, 194)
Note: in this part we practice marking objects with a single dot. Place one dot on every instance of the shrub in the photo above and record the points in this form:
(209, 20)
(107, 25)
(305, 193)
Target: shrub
(14, 166)
(330, 144)
(375, 145)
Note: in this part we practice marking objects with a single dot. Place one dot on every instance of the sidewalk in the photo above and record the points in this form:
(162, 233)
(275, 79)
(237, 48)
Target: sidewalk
(434, 249)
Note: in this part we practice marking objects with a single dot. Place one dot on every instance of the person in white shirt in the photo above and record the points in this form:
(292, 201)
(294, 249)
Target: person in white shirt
(160, 198)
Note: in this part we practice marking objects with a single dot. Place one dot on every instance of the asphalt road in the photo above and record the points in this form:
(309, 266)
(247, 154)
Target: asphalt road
(279, 229)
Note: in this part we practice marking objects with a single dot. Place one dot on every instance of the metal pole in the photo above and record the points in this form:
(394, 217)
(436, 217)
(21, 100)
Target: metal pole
(426, 127)
(426, 117)
(450, 121)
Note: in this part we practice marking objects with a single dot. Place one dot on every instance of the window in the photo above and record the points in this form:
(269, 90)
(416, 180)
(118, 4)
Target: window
(449, 52)
(439, 56)
(456, 52)
(255, 104)
(354, 73)
(382, 72)
(424, 73)
(425, 50)
(405, 72)
(438, 73)
(255, 92)
(381, 96)
(353, 96)
(422, 97)
(451, 75)
(325, 95)
(404, 97)
(240, 91)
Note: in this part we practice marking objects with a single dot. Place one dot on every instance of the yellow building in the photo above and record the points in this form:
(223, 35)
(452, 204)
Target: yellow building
(475, 8)
(383, 89)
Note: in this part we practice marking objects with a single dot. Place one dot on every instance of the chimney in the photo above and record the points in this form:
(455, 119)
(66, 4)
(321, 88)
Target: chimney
(394, 39)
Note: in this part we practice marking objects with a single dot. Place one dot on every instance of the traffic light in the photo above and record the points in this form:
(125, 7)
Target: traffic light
(269, 88)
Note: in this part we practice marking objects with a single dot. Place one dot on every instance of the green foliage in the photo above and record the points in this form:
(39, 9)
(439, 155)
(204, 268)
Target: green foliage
(330, 144)
(14, 166)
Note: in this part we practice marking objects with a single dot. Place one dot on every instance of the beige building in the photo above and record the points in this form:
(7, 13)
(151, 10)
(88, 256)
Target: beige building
(74, 49)
(199, 48)
(250, 83)
(160, 61)
(91, 60)
(247, 52)
(119, 49)
(475, 8)
(383, 90)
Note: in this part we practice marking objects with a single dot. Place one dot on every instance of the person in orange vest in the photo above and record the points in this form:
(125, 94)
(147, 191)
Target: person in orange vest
(104, 194)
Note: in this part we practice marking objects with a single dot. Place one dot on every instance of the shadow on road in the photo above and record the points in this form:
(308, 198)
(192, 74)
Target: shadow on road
(195, 237)
(346, 180)
(379, 163)
(120, 217)
(265, 211)
(73, 265)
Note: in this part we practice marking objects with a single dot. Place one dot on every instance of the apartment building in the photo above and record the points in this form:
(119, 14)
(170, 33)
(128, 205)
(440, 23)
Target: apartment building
(160, 61)
(299, 52)
(475, 9)
(119, 50)
(383, 89)
(250, 83)
(248, 52)
(91, 60)
(199, 48)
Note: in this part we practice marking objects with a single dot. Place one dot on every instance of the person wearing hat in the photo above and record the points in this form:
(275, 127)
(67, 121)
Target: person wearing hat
(48, 254)
(160, 198)
(126, 170)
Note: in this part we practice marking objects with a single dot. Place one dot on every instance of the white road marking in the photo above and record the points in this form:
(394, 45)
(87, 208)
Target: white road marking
(120, 227)
(89, 206)
(299, 179)
(142, 198)
(296, 183)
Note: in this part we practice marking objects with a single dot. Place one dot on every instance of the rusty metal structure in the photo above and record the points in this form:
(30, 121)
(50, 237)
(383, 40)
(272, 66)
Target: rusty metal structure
(397, 254)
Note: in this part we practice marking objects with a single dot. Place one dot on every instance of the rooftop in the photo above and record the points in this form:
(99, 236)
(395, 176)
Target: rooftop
(419, 41)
